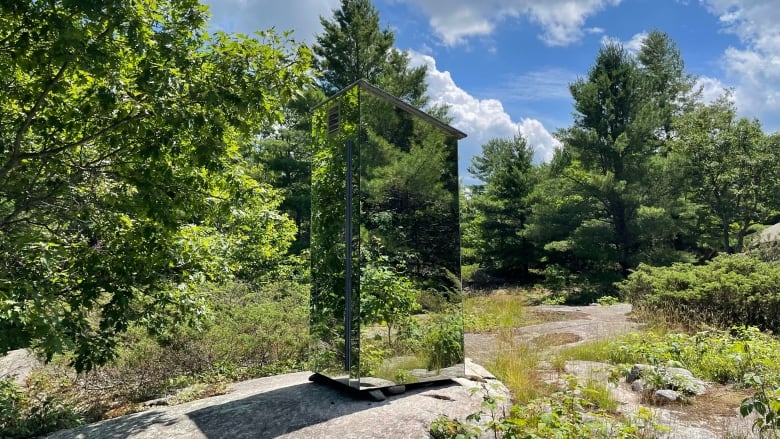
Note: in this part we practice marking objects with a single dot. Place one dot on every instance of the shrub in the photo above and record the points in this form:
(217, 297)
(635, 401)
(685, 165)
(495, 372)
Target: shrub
(443, 342)
(713, 355)
(608, 300)
(570, 413)
(729, 290)
(256, 330)
(41, 407)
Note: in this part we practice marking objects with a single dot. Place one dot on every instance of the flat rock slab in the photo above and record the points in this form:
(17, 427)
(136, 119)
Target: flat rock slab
(289, 406)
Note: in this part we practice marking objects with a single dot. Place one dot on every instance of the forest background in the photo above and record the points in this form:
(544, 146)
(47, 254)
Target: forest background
(155, 178)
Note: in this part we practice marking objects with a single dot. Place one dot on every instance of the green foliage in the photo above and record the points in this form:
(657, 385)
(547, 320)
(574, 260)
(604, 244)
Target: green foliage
(255, 332)
(352, 45)
(122, 185)
(729, 290)
(765, 403)
(607, 154)
(445, 427)
(500, 206)
(670, 89)
(573, 412)
(714, 355)
(607, 300)
(37, 409)
(609, 200)
(443, 341)
(386, 296)
(730, 166)
(372, 357)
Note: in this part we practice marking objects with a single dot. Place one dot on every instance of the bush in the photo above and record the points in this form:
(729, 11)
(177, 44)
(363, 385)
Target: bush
(41, 407)
(443, 343)
(712, 355)
(573, 412)
(729, 290)
(256, 330)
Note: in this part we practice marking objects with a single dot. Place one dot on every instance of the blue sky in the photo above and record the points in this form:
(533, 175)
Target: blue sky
(504, 66)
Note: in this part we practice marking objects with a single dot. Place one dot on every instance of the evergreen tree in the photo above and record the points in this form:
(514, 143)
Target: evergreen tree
(353, 46)
(501, 205)
(609, 145)
(668, 86)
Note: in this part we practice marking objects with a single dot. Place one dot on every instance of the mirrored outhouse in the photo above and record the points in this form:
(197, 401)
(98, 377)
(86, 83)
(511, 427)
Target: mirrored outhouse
(386, 304)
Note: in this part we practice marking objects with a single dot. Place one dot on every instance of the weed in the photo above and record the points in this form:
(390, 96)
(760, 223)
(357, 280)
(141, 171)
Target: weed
(494, 312)
(607, 300)
(517, 368)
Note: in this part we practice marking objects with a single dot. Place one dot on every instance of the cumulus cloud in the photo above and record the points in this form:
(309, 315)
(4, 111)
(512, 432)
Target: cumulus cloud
(481, 119)
(248, 16)
(633, 45)
(562, 21)
(754, 68)
(711, 88)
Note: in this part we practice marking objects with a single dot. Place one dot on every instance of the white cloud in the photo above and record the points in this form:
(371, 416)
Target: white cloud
(562, 21)
(633, 45)
(711, 88)
(755, 67)
(248, 16)
(540, 85)
(481, 119)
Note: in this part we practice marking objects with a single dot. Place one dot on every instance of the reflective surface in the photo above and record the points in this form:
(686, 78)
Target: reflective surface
(386, 300)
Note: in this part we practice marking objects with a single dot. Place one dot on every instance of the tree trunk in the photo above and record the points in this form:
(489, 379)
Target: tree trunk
(726, 247)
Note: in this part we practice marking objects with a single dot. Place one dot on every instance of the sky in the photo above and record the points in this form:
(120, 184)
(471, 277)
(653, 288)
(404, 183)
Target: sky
(504, 66)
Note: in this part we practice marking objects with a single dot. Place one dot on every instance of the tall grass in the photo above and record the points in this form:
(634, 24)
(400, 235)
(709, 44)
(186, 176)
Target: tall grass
(517, 366)
(489, 313)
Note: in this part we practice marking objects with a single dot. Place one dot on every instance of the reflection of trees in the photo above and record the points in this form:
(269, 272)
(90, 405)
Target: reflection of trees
(409, 192)
(405, 225)
(328, 217)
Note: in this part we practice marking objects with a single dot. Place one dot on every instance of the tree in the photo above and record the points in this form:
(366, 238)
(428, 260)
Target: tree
(731, 170)
(386, 296)
(124, 127)
(353, 46)
(501, 205)
(283, 160)
(609, 146)
(669, 87)
(405, 172)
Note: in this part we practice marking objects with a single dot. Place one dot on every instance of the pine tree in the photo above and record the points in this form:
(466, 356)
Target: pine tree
(353, 46)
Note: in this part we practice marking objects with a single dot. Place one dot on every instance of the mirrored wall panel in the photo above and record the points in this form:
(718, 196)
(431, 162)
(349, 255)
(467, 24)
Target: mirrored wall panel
(386, 304)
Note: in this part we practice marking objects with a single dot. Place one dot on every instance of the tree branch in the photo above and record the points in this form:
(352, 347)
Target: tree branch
(17, 159)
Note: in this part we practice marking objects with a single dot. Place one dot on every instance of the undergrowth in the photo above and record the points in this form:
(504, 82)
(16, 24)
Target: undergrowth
(576, 411)
(517, 368)
(257, 331)
(489, 313)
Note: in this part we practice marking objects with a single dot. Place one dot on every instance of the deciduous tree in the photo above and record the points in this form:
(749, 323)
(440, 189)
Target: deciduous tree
(731, 169)
(123, 127)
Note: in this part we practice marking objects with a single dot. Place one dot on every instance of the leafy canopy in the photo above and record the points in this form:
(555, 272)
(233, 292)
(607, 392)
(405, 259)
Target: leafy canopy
(121, 179)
